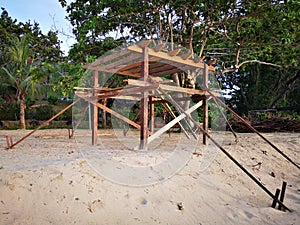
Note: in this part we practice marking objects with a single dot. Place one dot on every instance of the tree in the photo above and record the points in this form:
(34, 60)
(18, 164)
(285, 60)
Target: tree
(20, 73)
(27, 61)
(245, 36)
(45, 48)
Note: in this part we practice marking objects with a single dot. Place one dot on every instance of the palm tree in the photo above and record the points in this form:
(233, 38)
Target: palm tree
(20, 73)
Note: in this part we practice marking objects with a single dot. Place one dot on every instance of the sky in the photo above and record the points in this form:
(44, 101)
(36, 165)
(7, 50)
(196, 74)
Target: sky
(48, 13)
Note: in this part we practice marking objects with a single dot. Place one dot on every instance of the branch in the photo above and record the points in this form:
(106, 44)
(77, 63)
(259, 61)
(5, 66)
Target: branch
(260, 62)
(227, 70)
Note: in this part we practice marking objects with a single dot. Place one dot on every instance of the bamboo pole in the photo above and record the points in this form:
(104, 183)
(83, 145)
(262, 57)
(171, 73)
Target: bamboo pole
(43, 124)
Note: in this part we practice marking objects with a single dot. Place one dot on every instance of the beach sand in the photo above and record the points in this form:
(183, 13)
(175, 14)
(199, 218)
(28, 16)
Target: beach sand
(49, 179)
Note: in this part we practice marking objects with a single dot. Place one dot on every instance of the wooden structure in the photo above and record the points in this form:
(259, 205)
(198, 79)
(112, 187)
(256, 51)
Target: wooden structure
(146, 62)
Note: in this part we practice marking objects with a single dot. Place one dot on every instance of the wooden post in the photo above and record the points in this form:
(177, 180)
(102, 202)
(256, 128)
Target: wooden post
(46, 123)
(151, 103)
(205, 104)
(282, 193)
(9, 141)
(104, 122)
(95, 111)
(144, 101)
(275, 199)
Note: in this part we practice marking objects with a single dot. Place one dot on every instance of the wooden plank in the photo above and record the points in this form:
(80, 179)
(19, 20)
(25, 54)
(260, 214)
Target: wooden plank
(132, 98)
(46, 123)
(95, 111)
(227, 154)
(122, 62)
(187, 55)
(179, 109)
(9, 141)
(137, 66)
(254, 130)
(173, 122)
(166, 72)
(275, 199)
(174, 52)
(167, 87)
(103, 107)
(166, 56)
(144, 102)
(151, 103)
(181, 89)
(168, 108)
(119, 116)
(205, 105)
(159, 47)
(144, 43)
(283, 188)
(129, 73)
(107, 58)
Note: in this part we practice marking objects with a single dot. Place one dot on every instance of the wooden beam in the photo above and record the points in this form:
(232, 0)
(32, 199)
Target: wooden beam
(167, 72)
(166, 56)
(95, 111)
(187, 55)
(159, 47)
(167, 87)
(108, 58)
(122, 62)
(167, 96)
(144, 43)
(151, 103)
(46, 123)
(205, 104)
(119, 116)
(144, 101)
(103, 107)
(174, 52)
(168, 108)
(282, 193)
(173, 122)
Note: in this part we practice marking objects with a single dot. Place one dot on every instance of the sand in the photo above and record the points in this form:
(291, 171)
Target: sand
(51, 179)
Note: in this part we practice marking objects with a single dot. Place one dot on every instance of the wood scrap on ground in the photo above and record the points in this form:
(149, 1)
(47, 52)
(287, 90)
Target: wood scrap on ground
(277, 124)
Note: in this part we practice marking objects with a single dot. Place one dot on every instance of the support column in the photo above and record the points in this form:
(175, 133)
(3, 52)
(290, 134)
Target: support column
(205, 104)
(95, 111)
(151, 103)
(144, 101)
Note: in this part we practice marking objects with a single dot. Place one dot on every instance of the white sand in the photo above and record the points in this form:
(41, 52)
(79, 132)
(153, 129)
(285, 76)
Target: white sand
(46, 180)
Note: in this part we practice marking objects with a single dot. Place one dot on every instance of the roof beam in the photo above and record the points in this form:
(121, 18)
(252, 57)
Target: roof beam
(166, 56)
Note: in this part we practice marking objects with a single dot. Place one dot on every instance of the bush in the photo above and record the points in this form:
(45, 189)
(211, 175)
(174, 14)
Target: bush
(10, 111)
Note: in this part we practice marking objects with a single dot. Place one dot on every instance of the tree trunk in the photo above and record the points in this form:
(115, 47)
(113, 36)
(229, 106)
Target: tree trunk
(22, 113)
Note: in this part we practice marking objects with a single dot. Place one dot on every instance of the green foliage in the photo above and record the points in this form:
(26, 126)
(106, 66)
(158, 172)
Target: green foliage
(71, 76)
(242, 35)
(9, 111)
(26, 55)
(44, 47)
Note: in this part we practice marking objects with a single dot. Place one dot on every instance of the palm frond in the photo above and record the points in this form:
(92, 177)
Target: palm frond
(12, 79)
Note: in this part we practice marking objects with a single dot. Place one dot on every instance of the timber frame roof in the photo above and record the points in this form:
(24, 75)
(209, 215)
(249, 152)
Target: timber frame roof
(128, 61)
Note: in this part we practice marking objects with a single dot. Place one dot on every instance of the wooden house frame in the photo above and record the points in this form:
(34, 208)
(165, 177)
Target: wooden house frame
(145, 62)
